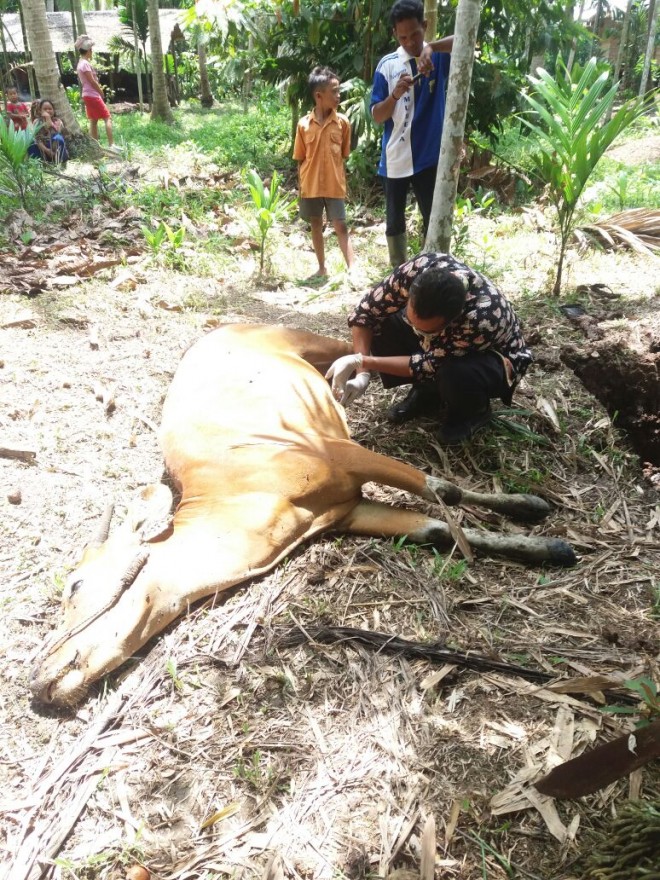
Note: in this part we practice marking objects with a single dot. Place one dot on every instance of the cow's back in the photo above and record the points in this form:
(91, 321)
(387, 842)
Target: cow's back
(242, 396)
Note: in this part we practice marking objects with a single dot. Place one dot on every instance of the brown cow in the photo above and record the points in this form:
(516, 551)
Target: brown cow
(261, 454)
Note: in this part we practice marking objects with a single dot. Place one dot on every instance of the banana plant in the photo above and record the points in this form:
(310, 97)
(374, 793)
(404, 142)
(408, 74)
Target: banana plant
(570, 133)
(269, 206)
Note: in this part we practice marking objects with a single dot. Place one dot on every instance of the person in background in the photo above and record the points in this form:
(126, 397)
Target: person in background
(323, 142)
(17, 111)
(92, 92)
(445, 330)
(49, 143)
(412, 109)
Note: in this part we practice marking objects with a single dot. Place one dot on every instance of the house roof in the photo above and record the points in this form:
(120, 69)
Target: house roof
(100, 26)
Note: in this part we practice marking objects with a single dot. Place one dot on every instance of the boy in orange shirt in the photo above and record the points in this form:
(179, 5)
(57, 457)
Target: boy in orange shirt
(323, 141)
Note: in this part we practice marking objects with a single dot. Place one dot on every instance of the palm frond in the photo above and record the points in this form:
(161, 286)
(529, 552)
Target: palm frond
(638, 229)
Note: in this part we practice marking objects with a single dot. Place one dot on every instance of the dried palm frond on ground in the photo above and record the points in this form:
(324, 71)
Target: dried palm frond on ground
(637, 228)
(628, 848)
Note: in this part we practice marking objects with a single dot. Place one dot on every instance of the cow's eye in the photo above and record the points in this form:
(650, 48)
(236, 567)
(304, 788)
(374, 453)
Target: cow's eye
(75, 586)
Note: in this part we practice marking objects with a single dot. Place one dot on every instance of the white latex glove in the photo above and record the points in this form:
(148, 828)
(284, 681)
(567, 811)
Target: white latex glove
(355, 388)
(340, 373)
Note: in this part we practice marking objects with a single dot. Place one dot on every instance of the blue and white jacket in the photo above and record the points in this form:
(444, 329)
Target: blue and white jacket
(411, 139)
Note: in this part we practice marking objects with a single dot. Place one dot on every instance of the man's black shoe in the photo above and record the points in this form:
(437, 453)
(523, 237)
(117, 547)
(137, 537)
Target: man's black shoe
(418, 402)
(454, 433)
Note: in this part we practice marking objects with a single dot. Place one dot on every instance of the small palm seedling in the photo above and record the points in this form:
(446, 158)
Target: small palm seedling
(571, 132)
(164, 239)
(17, 175)
(154, 238)
(269, 206)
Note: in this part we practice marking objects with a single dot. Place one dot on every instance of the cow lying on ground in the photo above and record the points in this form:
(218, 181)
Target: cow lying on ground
(261, 455)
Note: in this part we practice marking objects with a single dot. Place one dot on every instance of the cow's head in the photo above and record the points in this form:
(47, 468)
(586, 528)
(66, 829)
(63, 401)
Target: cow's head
(105, 610)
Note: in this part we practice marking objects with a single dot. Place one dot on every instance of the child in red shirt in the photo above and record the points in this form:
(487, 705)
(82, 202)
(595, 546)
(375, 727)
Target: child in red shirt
(17, 111)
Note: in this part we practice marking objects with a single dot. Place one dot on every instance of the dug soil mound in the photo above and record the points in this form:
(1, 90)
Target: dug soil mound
(621, 368)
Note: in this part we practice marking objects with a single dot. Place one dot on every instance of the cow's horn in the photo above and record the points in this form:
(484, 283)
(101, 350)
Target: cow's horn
(104, 527)
(133, 570)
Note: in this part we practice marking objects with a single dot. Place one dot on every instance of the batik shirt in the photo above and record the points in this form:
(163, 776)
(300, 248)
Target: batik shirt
(487, 322)
(411, 138)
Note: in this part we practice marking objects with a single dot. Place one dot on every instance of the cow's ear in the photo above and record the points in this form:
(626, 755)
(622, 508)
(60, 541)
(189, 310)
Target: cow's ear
(150, 512)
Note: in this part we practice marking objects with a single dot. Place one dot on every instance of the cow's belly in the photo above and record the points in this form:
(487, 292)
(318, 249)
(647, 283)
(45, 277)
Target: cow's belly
(306, 476)
(251, 532)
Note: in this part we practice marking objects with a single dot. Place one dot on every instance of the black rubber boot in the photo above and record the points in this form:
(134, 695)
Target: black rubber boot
(455, 432)
(397, 245)
(418, 402)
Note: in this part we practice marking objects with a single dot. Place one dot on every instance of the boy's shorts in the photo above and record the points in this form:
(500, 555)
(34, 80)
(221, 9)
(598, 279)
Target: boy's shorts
(335, 209)
(95, 107)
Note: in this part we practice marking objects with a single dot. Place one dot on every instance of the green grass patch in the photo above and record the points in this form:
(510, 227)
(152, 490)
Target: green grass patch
(229, 136)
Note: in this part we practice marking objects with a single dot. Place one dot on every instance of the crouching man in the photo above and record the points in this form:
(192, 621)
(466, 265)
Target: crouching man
(444, 329)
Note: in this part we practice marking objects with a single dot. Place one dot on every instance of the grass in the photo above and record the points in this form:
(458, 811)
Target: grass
(614, 185)
(230, 136)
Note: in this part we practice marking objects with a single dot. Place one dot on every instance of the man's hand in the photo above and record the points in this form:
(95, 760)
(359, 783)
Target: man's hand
(403, 84)
(343, 390)
(355, 388)
(425, 63)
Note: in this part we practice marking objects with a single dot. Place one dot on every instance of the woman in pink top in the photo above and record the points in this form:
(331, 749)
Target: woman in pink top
(92, 92)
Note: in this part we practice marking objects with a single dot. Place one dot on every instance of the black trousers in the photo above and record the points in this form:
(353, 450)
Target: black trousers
(465, 384)
(396, 193)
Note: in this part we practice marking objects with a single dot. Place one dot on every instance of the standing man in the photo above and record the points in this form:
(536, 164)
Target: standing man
(443, 328)
(413, 112)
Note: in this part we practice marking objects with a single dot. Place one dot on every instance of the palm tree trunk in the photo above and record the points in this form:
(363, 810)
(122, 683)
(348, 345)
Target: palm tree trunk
(431, 16)
(623, 36)
(34, 91)
(206, 97)
(175, 62)
(571, 54)
(622, 41)
(77, 12)
(160, 108)
(136, 56)
(246, 86)
(650, 46)
(5, 58)
(36, 23)
(146, 74)
(438, 237)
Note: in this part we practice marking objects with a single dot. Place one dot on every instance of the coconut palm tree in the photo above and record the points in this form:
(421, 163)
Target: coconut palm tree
(650, 45)
(134, 16)
(160, 108)
(78, 18)
(45, 65)
(206, 98)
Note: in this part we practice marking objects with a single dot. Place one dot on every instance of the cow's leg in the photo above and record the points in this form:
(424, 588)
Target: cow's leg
(380, 520)
(367, 466)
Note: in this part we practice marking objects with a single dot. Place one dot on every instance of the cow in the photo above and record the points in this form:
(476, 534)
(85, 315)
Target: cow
(260, 456)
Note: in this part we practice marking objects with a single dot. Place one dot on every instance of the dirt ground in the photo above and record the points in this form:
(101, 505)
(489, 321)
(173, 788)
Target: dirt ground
(218, 752)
